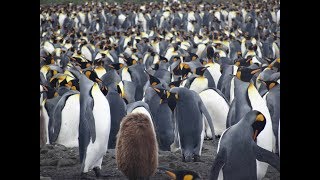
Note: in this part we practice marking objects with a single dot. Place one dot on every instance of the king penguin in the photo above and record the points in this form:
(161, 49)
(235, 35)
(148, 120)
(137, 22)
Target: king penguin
(188, 109)
(118, 111)
(94, 127)
(238, 152)
(247, 98)
(163, 121)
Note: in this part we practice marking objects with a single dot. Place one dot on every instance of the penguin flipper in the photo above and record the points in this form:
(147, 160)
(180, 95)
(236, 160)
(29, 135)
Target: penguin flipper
(267, 157)
(217, 165)
(90, 119)
(231, 113)
(204, 110)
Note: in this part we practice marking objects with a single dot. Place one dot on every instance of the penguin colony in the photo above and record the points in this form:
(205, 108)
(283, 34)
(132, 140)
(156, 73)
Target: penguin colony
(167, 74)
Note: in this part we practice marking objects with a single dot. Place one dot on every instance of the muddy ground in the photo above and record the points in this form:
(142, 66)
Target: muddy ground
(59, 162)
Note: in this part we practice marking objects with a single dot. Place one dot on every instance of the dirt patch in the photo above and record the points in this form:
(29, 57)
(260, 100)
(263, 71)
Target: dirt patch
(59, 162)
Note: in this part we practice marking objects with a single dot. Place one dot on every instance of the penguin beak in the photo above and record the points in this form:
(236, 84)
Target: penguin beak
(255, 134)
(255, 71)
(98, 80)
(171, 174)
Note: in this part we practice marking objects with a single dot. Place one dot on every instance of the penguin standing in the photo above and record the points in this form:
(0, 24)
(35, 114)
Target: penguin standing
(218, 108)
(163, 121)
(238, 151)
(94, 127)
(247, 98)
(118, 111)
(136, 148)
(188, 108)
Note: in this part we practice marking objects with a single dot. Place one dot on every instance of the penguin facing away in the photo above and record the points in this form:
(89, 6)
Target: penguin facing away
(238, 151)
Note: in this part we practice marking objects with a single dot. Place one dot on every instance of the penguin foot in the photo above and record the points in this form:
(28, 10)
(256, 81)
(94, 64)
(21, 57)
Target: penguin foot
(86, 176)
(98, 173)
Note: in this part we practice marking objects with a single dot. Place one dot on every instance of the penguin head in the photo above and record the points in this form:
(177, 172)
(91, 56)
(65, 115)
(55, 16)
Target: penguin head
(183, 174)
(153, 80)
(258, 124)
(173, 97)
(92, 75)
(185, 69)
(200, 70)
(176, 83)
(244, 62)
(245, 74)
(116, 66)
(130, 61)
(162, 93)
(269, 84)
(193, 56)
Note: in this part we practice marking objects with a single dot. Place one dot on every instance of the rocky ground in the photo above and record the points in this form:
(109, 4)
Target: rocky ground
(59, 162)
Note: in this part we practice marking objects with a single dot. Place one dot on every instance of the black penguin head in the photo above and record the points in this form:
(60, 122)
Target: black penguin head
(244, 62)
(210, 52)
(130, 61)
(176, 83)
(92, 75)
(270, 84)
(172, 100)
(258, 125)
(245, 74)
(116, 66)
(162, 93)
(200, 70)
(153, 80)
(193, 56)
(183, 175)
(185, 69)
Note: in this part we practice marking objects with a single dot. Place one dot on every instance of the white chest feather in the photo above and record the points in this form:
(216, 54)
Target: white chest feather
(86, 53)
(231, 90)
(214, 70)
(70, 117)
(217, 107)
(125, 74)
(199, 84)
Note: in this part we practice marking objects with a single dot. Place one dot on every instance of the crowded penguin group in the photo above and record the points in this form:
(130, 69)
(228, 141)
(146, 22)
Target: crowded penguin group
(167, 75)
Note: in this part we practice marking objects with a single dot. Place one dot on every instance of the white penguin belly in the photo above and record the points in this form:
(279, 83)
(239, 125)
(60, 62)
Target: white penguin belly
(100, 72)
(70, 116)
(86, 53)
(143, 111)
(214, 70)
(101, 113)
(265, 138)
(231, 90)
(218, 109)
(126, 75)
(199, 84)
(45, 116)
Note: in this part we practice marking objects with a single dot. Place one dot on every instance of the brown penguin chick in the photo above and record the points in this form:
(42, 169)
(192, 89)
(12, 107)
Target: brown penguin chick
(137, 148)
